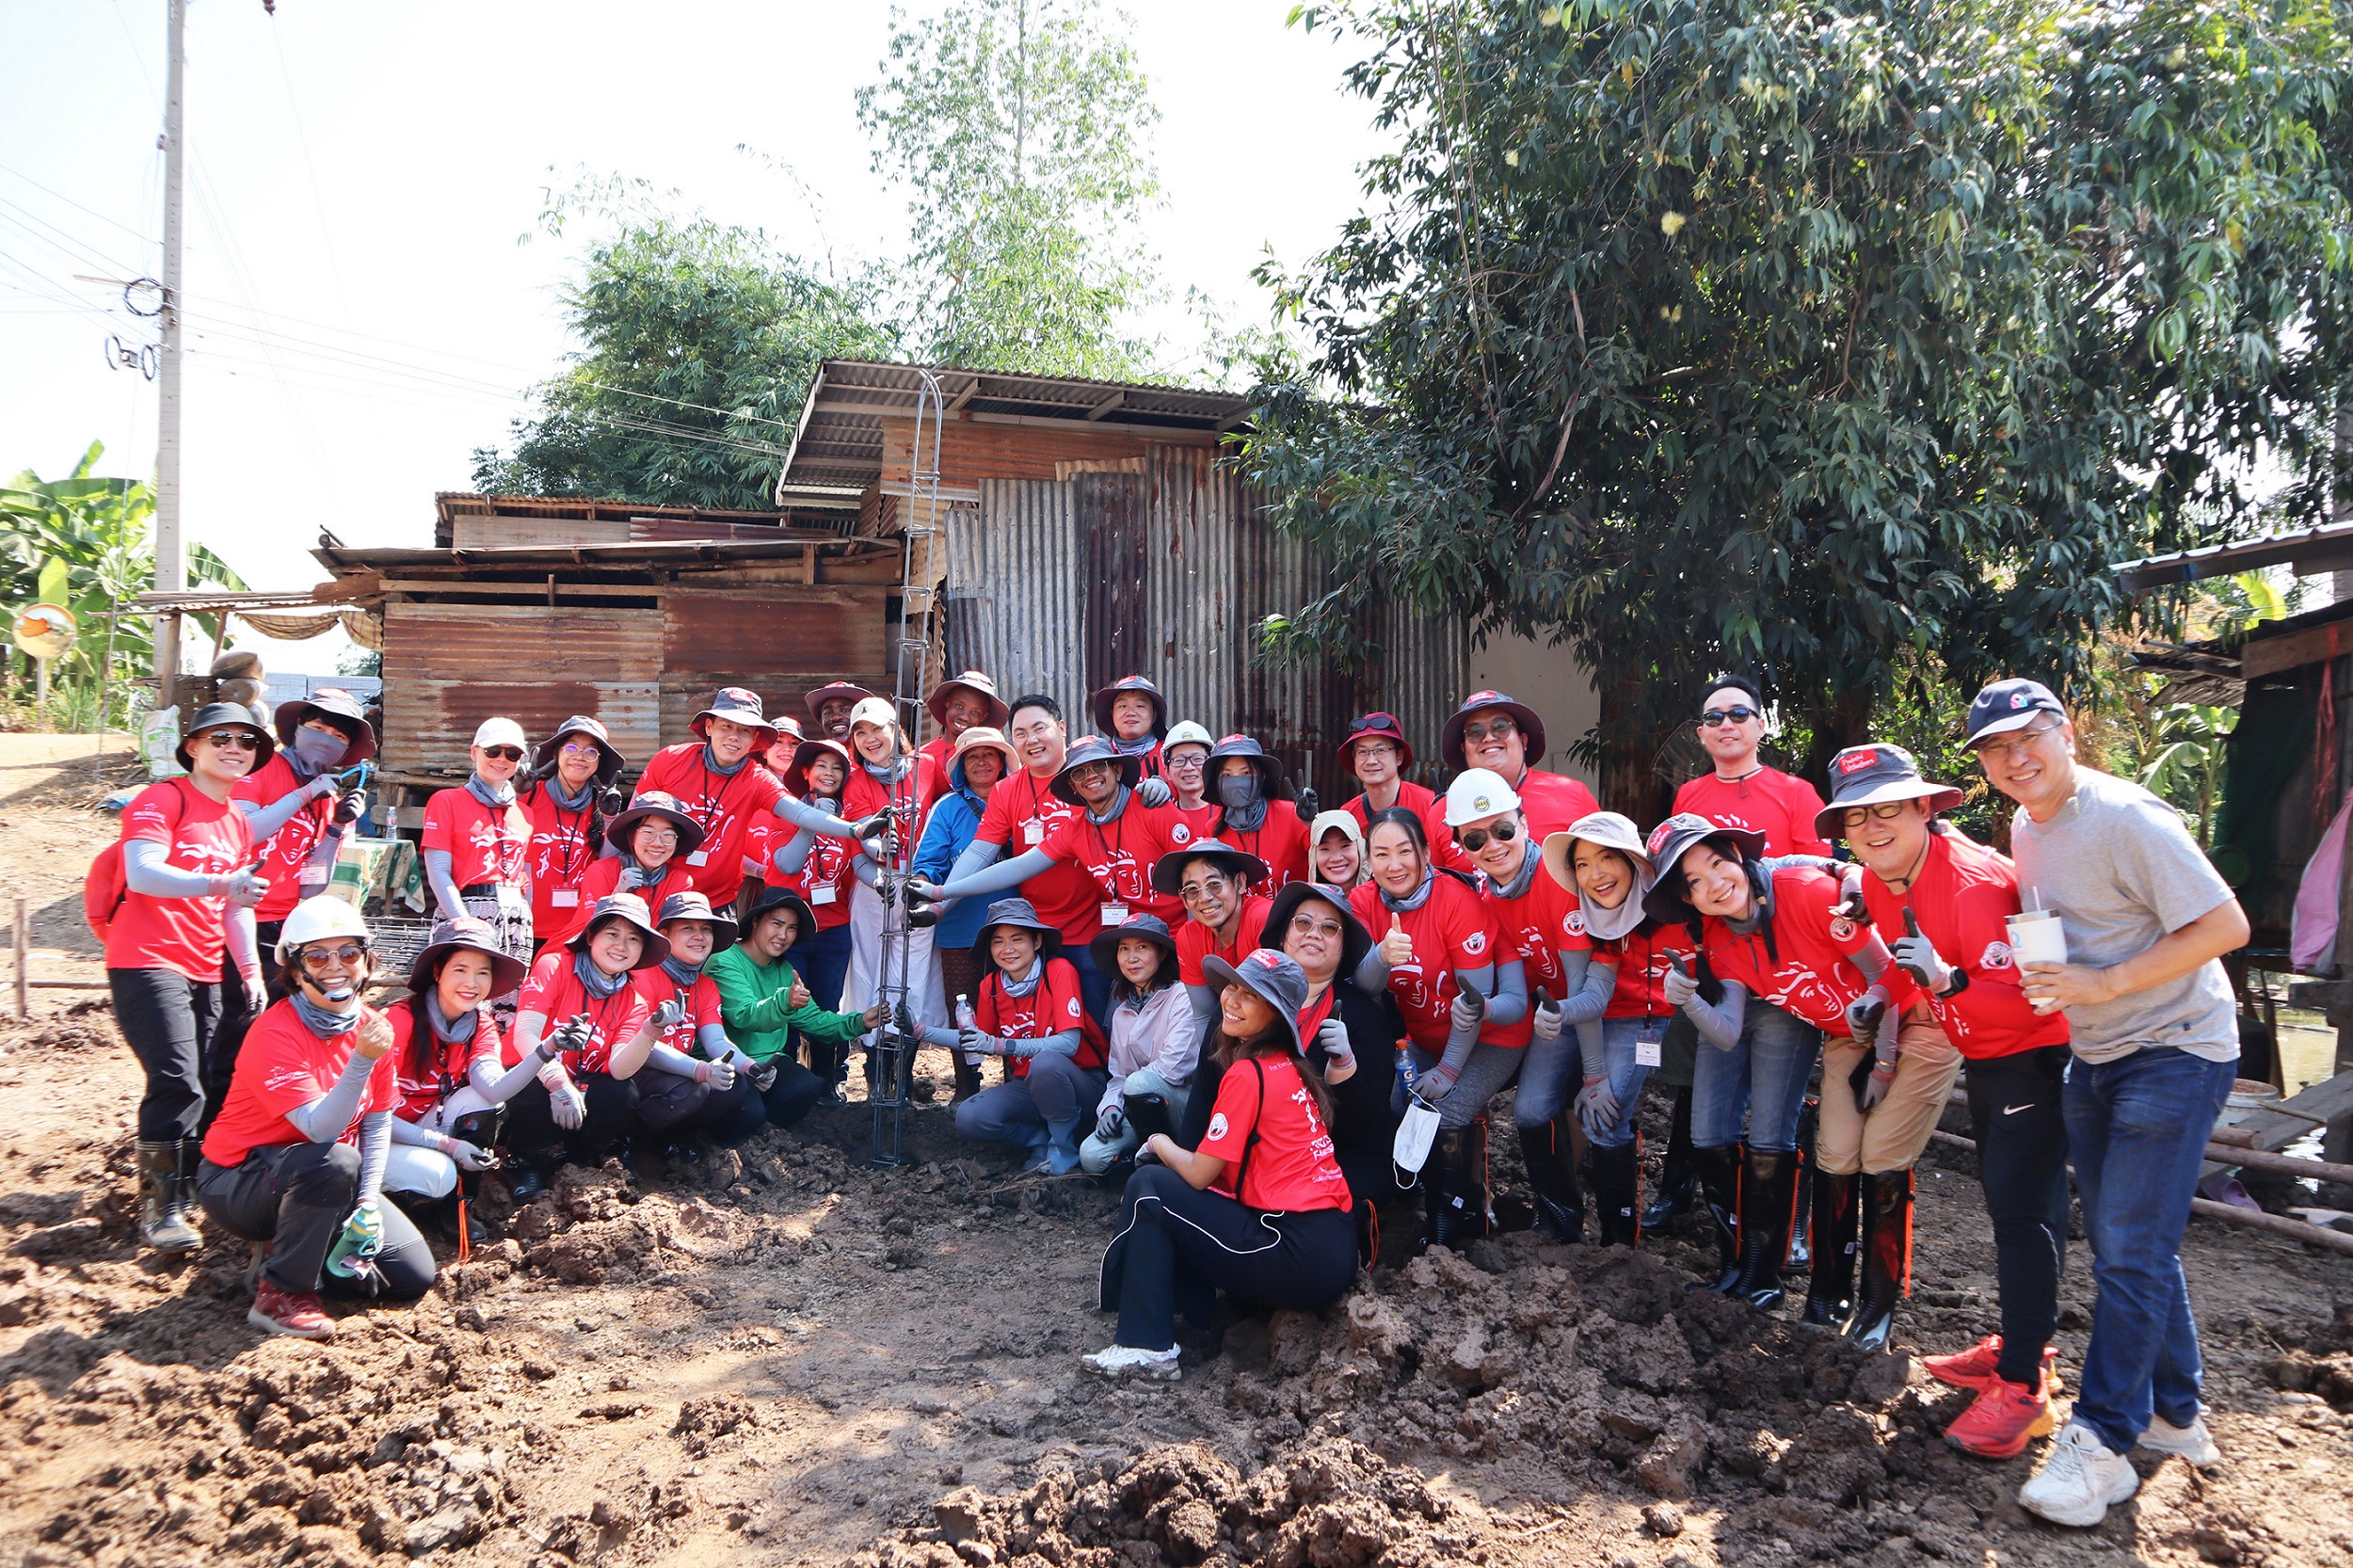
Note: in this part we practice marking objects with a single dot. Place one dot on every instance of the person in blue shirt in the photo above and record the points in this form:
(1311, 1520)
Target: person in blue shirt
(983, 756)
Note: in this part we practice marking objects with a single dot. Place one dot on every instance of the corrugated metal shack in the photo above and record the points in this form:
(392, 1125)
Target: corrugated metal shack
(1092, 533)
(540, 609)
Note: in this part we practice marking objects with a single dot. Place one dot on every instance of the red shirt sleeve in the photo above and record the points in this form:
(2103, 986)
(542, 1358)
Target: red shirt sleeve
(1233, 1119)
(154, 814)
(998, 823)
(541, 987)
(1803, 802)
(440, 820)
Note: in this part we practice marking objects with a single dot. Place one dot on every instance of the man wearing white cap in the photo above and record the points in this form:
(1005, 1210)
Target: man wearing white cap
(478, 840)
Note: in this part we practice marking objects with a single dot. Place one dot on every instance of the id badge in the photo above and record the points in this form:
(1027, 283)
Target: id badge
(1647, 1049)
(1033, 832)
(565, 898)
(1113, 914)
(701, 857)
(824, 895)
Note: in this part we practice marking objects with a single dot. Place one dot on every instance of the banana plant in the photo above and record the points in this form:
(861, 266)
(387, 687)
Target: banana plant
(2186, 767)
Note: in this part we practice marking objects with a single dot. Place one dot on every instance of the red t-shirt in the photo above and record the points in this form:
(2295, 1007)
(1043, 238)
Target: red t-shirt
(1054, 1006)
(1768, 801)
(941, 749)
(199, 834)
(1431, 807)
(862, 796)
(291, 845)
(1452, 930)
(1119, 855)
(1021, 813)
(554, 992)
(603, 877)
(722, 803)
(1196, 941)
(701, 1000)
(824, 879)
(486, 846)
(560, 858)
(282, 1066)
(1641, 959)
(1194, 822)
(1553, 802)
(1289, 1167)
(1281, 842)
(1964, 893)
(1807, 969)
(432, 1071)
(1537, 926)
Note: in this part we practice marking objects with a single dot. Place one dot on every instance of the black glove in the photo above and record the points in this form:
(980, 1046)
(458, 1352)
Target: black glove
(1306, 803)
(612, 803)
(922, 917)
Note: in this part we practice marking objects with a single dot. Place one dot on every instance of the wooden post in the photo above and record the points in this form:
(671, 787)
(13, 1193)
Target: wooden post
(24, 965)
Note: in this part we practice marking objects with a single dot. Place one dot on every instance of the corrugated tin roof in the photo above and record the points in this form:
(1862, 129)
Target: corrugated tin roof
(343, 558)
(2327, 547)
(448, 505)
(837, 450)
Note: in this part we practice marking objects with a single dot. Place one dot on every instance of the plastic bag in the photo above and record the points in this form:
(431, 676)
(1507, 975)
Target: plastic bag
(159, 737)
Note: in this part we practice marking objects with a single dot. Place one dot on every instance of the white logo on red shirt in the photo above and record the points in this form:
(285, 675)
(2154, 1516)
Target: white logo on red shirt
(1998, 956)
(1475, 942)
(1072, 1007)
(1840, 928)
(1575, 924)
(1180, 834)
(1217, 1126)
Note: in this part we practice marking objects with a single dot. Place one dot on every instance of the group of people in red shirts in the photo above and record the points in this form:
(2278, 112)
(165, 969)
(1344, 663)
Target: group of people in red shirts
(1265, 1017)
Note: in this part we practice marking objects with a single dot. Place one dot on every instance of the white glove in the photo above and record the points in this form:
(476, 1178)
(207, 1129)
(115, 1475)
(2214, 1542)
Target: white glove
(1917, 957)
(567, 1104)
(1596, 1107)
(1469, 1007)
(1109, 1120)
(470, 1156)
(719, 1074)
(321, 787)
(668, 1016)
(1154, 791)
(1331, 1035)
(1549, 1020)
(629, 880)
(242, 888)
(1680, 986)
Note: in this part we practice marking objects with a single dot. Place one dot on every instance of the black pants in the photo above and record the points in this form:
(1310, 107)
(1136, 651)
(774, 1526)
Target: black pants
(533, 1134)
(296, 1196)
(168, 1021)
(791, 1096)
(1176, 1248)
(2016, 1109)
(266, 936)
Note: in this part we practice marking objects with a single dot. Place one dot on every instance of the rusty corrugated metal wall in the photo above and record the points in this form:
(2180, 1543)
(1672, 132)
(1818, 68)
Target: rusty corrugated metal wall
(1066, 585)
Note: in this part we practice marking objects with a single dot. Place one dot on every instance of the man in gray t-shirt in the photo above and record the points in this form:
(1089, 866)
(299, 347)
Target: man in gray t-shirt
(2154, 1032)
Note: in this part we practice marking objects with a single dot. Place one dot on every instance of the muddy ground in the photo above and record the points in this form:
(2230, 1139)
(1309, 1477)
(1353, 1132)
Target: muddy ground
(785, 1357)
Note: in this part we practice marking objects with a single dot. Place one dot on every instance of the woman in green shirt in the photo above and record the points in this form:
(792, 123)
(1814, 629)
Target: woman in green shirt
(762, 1002)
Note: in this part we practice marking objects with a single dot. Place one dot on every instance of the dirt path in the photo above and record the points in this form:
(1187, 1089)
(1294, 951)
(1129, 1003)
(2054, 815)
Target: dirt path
(786, 1358)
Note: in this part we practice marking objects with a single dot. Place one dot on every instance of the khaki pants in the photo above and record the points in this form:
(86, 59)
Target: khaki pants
(1897, 1128)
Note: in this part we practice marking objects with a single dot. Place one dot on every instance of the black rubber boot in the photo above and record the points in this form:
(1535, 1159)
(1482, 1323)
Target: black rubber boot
(1678, 1179)
(1769, 1192)
(968, 1077)
(1552, 1179)
(1830, 1294)
(1617, 1194)
(1886, 1257)
(1800, 1253)
(1455, 1188)
(163, 1215)
(1716, 1173)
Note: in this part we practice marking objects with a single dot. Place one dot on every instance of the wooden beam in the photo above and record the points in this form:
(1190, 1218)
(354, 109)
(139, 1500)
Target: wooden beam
(1115, 400)
(2269, 655)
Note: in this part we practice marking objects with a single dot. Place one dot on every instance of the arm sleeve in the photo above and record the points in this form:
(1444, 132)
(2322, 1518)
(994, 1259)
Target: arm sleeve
(865, 870)
(1372, 972)
(410, 1134)
(935, 854)
(376, 1144)
(266, 820)
(1063, 1042)
(1459, 1041)
(1204, 1009)
(941, 1036)
(439, 875)
(1720, 1025)
(793, 853)
(714, 1040)
(324, 1119)
(1591, 984)
(1003, 877)
(244, 944)
(1773, 863)
(499, 1087)
(801, 814)
(1509, 1002)
(146, 870)
(669, 1059)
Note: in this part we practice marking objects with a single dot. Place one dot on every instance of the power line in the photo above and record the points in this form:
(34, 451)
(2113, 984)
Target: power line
(75, 205)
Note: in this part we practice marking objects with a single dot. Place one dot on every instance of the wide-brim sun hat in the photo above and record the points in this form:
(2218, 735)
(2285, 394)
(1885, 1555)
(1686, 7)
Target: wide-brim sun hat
(691, 905)
(1021, 914)
(609, 758)
(1101, 704)
(1275, 779)
(1168, 872)
(226, 716)
(986, 737)
(1104, 949)
(796, 773)
(979, 685)
(630, 908)
(1092, 748)
(467, 933)
(816, 697)
(1356, 941)
(1610, 831)
(1451, 739)
(1273, 977)
(1873, 775)
(735, 704)
(655, 803)
(1669, 842)
(329, 702)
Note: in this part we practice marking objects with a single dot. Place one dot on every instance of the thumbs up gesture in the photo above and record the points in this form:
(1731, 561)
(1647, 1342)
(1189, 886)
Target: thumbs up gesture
(1396, 948)
(1680, 987)
(1917, 957)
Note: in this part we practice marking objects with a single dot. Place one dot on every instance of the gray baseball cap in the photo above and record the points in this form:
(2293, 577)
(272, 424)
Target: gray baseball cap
(1873, 774)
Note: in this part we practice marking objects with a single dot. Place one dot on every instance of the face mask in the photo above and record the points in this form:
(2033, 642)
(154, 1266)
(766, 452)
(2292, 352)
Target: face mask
(319, 751)
(1239, 792)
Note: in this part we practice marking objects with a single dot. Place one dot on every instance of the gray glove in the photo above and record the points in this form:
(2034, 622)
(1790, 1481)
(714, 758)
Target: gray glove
(1873, 1088)
(1850, 903)
(350, 807)
(1331, 1035)
(719, 1074)
(1304, 801)
(242, 888)
(1596, 1107)
(629, 880)
(1863, 1014)
(1109, 1120)
(569, 1105)
(1917, 957)
(668, 1016)
(1155, 791)
(572, 1034)
(470, 1156)
(1548, 1020)
(1680, 984)
(1469, 1007)
(973, 1040)
(320, 788)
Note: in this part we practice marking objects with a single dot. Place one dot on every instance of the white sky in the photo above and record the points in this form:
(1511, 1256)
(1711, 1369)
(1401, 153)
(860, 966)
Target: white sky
(361, 314)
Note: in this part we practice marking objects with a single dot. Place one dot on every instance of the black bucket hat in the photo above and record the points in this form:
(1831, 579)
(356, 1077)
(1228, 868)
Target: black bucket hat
(654, 803)
(466, 934)
(629, 907)
(1021, 914)
(1104, 949)
(225, 715)
(609, 758)
(1669, 842)
(1356, 941)
(1168, 872)
(1451, 739)
(329, 702)
(1101, 703)
(1094, 748)
(1274, 977)
(691, 905)
(783, 898)
(796, 772)
(1274, 778)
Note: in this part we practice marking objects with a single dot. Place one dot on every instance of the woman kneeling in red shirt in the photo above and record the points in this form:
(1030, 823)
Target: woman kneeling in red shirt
(1260, 1210)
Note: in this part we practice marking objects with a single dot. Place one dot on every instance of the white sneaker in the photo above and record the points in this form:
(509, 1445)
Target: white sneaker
(2079, 1479)
(1126, 1361)
(2192, 1442)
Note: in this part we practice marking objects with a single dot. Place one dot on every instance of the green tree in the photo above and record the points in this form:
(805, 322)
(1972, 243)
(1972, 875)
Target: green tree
(1845, 347)
(1020, 129)
(701, 341)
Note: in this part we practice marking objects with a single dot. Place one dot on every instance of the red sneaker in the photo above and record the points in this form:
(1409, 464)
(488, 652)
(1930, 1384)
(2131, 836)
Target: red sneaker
(297, 1313)
(2002, 1420)
(1979, 1367)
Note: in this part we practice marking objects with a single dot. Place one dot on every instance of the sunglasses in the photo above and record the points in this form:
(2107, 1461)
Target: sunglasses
(1738, 714)
(1887, 810)
(1501, 730)
(504, 753)
(1475, 840)
(232, 739)
(315, 959)
(1192, 892)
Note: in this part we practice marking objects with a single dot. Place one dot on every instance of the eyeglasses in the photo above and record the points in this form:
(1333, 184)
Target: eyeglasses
(2012, 746)
(504, 753)
(1739, 712)
(1388, 748)
(1194, 892)
(344, 957)
(232, 739)
(1495, 730)
(1188, 760)
(1303, 925)
(571, 748)
(1886, 810)
(1475, 839)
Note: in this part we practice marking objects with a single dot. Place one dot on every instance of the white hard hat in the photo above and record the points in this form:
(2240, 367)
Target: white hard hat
(318, 919)
(1478, 792)
(1186, 734)
(501, 732)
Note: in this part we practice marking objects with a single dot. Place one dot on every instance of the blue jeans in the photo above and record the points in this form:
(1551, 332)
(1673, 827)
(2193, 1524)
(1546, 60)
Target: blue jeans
(1548, 1078)
(1619, 1038)
(1758, 1086)
(2138, 1126)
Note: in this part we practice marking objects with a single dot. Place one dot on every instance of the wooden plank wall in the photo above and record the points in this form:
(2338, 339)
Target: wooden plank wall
(449, 666)
(972, 450)
(780, 642)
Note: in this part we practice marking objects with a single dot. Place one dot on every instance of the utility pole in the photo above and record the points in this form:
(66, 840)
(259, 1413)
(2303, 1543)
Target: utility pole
(171, 574)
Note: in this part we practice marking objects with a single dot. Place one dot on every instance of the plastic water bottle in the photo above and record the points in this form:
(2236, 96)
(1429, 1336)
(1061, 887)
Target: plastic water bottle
(965, 1019)
(1406, 1073)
